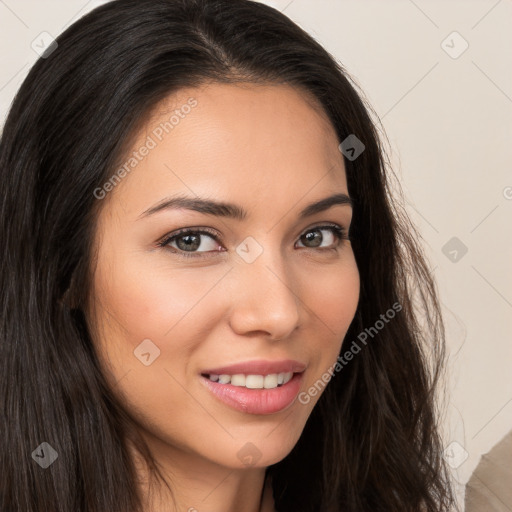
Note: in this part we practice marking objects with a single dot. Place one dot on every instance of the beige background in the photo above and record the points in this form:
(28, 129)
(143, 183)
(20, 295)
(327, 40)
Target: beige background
(449, 124)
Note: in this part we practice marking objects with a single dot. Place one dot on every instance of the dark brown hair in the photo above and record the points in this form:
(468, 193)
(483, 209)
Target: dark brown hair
(372, 441)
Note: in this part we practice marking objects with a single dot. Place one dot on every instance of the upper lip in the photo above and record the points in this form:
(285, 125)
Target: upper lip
(258, 367)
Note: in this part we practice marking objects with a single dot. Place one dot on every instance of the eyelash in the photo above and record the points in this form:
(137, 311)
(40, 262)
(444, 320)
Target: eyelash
(339, 231)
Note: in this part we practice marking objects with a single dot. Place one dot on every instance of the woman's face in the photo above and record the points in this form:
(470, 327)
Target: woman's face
(272, 292)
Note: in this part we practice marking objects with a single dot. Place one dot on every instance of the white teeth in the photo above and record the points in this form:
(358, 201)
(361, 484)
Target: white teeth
(271, 381)
(238, 380)
(254, 381)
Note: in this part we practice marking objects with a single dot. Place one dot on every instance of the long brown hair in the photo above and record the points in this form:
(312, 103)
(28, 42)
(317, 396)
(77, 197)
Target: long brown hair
(372, 441)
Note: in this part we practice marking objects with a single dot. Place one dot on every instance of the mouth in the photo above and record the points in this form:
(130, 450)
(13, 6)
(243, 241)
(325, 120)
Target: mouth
(258, 387)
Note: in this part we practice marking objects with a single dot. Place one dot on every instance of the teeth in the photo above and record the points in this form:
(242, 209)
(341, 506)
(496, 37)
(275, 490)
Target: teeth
(271, 381)
(238, 380)
(254, 381)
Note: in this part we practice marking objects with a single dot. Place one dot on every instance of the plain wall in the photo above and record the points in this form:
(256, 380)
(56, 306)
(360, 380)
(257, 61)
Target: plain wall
(448, 119)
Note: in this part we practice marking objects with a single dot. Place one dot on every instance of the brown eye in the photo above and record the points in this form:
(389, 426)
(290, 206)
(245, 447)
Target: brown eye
(314, 237)
(188, 241)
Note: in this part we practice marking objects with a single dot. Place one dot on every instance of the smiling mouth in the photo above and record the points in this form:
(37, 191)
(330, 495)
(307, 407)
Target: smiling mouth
(269, 381)
(248, 393)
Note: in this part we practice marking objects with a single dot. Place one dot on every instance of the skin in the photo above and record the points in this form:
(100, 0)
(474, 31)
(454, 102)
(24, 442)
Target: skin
(271, 150)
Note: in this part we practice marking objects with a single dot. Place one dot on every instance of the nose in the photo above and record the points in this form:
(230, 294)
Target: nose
(264, 299)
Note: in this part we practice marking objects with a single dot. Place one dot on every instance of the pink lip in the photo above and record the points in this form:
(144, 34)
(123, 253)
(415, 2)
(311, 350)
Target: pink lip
(256, 401)
(258, 367)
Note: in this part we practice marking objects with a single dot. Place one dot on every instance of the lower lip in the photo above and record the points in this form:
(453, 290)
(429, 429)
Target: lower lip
(256, 401)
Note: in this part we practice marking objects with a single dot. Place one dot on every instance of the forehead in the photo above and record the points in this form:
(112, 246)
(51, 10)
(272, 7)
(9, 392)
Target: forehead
(243, 140)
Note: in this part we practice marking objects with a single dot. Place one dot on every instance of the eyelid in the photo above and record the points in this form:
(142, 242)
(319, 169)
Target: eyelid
(208, 231)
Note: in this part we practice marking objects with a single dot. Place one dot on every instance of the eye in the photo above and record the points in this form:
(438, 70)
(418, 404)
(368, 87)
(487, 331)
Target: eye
(189, 241)
(313, 236)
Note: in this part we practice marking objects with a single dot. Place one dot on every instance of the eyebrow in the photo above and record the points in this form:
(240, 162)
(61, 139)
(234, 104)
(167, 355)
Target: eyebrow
(230, 210)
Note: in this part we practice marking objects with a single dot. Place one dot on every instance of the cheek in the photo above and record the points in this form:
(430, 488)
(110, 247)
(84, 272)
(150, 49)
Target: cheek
(151, 311)
(333, 297)
(149, 301)
(332, 302)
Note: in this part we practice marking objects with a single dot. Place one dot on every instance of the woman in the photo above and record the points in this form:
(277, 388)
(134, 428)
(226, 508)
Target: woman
(209, 300)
